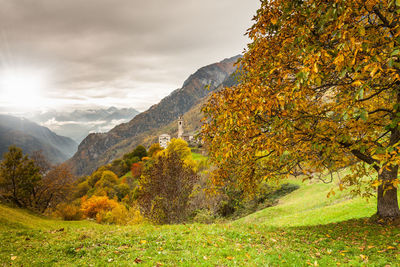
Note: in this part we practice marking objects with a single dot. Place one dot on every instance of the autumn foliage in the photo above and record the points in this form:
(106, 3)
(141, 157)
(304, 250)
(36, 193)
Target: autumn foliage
(166, 184)
(136, 169)
(320, 90)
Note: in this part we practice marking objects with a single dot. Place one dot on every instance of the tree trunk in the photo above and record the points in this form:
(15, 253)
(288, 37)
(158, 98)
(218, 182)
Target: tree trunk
(388, 206)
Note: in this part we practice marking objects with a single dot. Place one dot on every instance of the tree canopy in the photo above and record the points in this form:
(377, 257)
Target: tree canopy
(320, 89)
(18, 177)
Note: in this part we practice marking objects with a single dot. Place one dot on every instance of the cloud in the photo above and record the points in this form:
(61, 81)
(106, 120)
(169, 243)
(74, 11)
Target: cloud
(112, 49)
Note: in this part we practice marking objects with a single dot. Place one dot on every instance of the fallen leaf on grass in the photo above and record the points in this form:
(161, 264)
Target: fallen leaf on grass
(143, 241)
(13, 258)
(230, 258)
(137, 260)
(363, 257)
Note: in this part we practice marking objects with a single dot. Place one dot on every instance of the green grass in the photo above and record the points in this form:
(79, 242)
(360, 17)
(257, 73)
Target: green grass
(198, 157)
(127, 175)
(305, 228)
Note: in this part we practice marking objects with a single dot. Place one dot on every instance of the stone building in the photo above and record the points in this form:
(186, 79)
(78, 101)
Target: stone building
(180, 127)
(164, 140)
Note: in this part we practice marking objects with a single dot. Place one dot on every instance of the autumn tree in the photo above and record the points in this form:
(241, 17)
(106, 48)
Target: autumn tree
(55, 187)
(320, 89)
(165, 186)
(18, 177)
(136, 169)
(41, 161)
(154, 149)
(139, 151)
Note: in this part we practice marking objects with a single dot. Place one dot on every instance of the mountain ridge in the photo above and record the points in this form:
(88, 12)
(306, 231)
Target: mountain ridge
(100, 148)
(33, 137)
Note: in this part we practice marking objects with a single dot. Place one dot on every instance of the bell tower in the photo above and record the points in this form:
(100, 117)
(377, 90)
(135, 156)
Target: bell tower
(180, 127)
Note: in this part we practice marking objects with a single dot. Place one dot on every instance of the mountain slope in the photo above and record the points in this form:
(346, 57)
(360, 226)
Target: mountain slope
(99, 149)
(78, 124)
(32, 137)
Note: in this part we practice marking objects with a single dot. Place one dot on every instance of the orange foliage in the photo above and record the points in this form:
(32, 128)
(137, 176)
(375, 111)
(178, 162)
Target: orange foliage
(319, 91)
(136, 169)
(96, 204)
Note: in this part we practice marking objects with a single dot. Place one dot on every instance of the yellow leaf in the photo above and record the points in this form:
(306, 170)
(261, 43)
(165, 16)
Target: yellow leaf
(376, 183)
(341, 187)
(13, 258)
(143, 241)
(374, 71)
(315, 68)
(230, 258)
(363, 257)
(357, 83)
(274, 20)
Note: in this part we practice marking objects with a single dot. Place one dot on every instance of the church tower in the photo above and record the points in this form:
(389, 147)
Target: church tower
(180, 127)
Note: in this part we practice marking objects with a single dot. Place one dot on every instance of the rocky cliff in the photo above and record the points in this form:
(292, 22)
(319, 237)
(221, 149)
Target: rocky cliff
(98, 149)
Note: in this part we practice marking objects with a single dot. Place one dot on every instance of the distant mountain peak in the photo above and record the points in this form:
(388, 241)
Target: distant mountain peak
(78, 123)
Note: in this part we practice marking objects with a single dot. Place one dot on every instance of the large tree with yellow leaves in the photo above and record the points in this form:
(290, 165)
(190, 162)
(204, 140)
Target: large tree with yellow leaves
(320, 90)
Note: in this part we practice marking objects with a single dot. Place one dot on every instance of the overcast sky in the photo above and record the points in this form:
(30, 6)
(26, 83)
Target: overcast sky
(124, 53)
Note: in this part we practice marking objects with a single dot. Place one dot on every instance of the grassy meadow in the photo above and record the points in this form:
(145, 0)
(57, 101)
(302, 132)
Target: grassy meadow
(305, 228)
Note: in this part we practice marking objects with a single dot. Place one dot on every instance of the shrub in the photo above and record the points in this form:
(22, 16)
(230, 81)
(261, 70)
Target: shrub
(106, 185)
(96, 204)
(165, 187)
(136, 169)
(135, 217)
(117, 215)
(68, 212)
(154, 149)
(122, 190)
(81, 189)
(120, 167)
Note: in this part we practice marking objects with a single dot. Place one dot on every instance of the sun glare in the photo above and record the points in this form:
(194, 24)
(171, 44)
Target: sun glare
(21, 88)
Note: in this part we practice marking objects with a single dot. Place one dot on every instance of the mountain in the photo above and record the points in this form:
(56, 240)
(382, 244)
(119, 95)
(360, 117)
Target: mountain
(100, 148)
(77, 124)
(33, 137)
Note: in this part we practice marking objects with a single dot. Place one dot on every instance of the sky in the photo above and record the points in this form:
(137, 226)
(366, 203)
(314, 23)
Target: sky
(124, 53)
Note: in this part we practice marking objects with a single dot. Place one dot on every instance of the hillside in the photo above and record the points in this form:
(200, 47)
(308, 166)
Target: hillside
(305, 228)
(99, 149)
(33, 137)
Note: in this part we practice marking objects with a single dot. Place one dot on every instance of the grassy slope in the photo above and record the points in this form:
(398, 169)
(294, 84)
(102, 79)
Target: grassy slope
(284, 235)
(198, 157)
